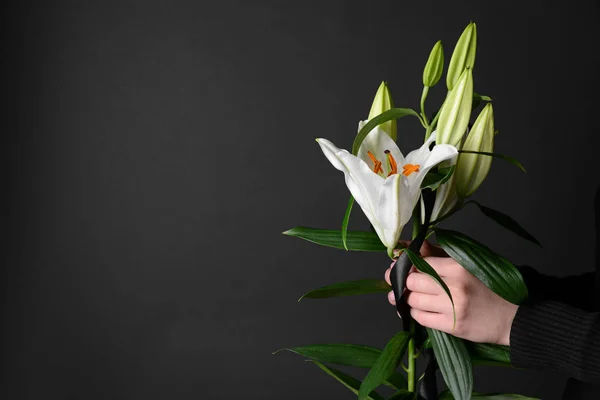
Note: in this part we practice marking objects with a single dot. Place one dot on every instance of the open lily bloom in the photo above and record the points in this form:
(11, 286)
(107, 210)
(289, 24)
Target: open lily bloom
(385, 184)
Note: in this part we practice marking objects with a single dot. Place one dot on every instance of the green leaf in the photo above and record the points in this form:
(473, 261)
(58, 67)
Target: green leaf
(477, 99)
(426, 344)
(396, 381)
(489, 354)
(349, 288)
(392, 113)
(350, 382)
(454, 362)
(506, 222)
(354, 355)
(499, 396)
(446, 395)
(356, 240)
(402, 395)
(497, 155)
(345, 222)
(434, 179)
(495, 271)
(424, 267)
(385, 365)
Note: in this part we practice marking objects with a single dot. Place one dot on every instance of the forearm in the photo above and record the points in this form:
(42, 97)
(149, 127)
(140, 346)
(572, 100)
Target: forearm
(575, 290)
(554, 335)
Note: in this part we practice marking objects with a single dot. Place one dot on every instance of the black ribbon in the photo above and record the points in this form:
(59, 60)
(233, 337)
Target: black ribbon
(428, 388)
(398, 275)
(402, 266)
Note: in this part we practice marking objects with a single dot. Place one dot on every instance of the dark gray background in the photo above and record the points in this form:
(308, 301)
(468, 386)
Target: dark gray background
(155, 151)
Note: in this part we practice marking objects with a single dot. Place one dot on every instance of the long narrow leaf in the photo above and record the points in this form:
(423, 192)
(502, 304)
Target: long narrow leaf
(434, 179)
(402, 395)
(396, 381)
(507, 222)
(392, 113)
(454, 362)
(446, 395)
(350, 288)
(489, 354)
(496, 272)
(354, 355)
(355, 240)
(511, 160)
(386, 364)
(345, 222)
(477, 98)
(424, 267)
(499, 396)
(350, 382)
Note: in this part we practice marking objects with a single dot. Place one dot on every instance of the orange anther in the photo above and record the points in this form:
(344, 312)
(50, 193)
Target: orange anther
(410, 168)
(377, 167)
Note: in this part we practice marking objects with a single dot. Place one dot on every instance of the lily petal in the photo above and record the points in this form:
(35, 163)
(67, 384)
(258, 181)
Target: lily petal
(427, 159)
(418, 156)
(364, 184)
(394, 208)
(377, 142)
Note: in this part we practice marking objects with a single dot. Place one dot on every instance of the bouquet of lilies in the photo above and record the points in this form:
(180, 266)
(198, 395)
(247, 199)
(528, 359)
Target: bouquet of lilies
(428, 185)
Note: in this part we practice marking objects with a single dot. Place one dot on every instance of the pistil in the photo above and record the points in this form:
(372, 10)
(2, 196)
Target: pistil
(393, 165)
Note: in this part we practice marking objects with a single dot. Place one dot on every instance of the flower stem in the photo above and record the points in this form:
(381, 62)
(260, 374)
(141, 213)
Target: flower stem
(411, 343)
(411, 358)
(433, 123)
(423, 97)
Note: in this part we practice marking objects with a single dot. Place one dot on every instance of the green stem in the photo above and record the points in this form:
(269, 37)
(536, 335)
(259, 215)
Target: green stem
(411, 358)
(422, 121)
(433, 123)
(423, 97)
(411, 343)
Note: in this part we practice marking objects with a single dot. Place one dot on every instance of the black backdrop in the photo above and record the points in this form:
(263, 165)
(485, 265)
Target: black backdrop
(155, 151)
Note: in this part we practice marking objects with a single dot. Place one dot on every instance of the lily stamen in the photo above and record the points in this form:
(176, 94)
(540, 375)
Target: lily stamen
(377, 167)
(393, 165)
(410, 168)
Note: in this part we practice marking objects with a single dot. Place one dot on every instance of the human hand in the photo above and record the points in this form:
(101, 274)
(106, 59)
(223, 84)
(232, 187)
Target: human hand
(481, 315)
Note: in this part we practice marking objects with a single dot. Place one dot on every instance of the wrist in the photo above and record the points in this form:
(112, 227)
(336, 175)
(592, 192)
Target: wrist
(507, 317)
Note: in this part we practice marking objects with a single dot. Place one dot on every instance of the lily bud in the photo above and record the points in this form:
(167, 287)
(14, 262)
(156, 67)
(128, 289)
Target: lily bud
(463, 55)
(446, 198)
(472, 169)
(383, 102)
(435, 65)
(456, 111)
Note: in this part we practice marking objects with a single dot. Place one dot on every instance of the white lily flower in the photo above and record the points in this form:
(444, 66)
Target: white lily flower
(385, 184)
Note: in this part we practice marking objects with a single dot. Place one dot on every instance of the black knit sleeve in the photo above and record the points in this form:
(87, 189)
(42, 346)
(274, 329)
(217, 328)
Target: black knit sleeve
(554, 335)
(575, 290)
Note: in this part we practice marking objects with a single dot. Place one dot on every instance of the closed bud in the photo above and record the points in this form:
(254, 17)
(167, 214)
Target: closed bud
(435, 65)
(472, 169)
(446, 198)
(456, 111)
(463, 55)
(383, 102)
